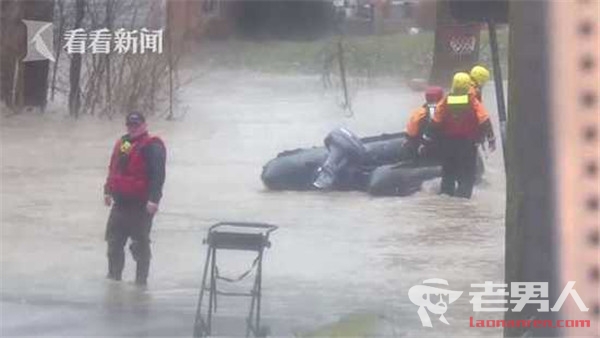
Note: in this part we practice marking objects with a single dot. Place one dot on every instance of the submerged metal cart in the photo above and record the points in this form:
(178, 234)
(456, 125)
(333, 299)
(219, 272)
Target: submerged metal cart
(233, 236)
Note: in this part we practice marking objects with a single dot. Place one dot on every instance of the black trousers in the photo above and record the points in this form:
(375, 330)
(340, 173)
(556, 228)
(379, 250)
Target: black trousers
(459, 163)
(134, 222)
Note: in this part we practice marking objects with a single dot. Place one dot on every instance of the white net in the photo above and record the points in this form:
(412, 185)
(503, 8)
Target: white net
(462, 45)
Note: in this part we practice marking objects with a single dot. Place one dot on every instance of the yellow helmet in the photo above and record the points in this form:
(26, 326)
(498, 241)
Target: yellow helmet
(480, 75)
(461, 83)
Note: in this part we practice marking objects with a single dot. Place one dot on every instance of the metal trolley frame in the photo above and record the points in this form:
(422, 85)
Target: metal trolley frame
(248, 237)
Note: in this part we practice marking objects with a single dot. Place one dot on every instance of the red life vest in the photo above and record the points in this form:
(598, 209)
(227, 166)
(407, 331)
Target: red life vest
(130, 180)
(460, 120)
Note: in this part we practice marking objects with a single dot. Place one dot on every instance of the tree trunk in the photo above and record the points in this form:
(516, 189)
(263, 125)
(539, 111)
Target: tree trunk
(58, 41)
(109, 20)
(75, 70)
(12, 50)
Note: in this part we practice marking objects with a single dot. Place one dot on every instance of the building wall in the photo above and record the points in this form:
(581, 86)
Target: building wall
(22, 84)
(425, 14)
(197, 19)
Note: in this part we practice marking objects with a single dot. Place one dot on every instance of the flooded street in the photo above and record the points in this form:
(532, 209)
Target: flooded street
(335, 255)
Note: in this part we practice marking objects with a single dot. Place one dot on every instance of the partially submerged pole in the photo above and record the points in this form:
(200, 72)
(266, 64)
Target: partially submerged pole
(531, 236)
(340, 53)
(498, 83)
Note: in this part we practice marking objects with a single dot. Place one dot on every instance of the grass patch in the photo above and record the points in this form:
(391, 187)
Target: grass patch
(398, 54)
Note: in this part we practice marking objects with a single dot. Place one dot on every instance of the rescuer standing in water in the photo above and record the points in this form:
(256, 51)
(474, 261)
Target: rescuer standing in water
(134, 188)
(460, 121)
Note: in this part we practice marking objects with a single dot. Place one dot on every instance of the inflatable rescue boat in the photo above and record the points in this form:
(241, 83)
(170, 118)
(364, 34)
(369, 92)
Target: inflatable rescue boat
(385, 165)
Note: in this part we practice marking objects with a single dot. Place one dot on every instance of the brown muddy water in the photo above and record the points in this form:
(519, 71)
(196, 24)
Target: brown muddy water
(335, 255)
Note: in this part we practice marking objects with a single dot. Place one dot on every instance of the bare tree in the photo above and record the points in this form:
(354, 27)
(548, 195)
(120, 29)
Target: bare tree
(75, 69)
(115, 83)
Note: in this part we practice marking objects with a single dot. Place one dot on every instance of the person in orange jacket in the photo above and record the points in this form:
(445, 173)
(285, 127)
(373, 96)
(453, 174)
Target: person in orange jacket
(460, 121)
(479, 77)
(420, 118)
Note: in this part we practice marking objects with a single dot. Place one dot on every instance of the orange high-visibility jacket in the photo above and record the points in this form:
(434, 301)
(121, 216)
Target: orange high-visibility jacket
(416, 122)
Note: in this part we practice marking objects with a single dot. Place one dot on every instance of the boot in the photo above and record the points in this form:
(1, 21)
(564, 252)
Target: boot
(141, 254)
(116, 262)
(141, 272)
(115, 268)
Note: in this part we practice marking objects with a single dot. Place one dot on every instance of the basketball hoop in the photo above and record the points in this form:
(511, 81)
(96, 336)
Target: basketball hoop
(461, 40)
(456, 49)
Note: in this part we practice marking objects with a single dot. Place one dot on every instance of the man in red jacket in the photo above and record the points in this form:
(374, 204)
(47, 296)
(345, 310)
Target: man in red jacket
(134, 188)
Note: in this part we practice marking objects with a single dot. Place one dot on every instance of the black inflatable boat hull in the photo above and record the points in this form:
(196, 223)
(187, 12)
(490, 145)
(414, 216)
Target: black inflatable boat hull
(296, 169)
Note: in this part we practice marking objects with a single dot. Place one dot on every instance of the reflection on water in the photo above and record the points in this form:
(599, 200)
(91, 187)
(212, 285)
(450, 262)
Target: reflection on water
(335, 254)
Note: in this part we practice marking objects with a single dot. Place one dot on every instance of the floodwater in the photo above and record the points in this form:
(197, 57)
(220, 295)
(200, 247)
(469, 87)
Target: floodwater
(336, 256)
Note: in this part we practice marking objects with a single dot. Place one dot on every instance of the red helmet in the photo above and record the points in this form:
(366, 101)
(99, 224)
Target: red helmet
(434, 94)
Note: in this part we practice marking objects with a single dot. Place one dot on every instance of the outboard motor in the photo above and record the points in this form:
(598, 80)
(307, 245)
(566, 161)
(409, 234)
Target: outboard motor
(344, 149)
